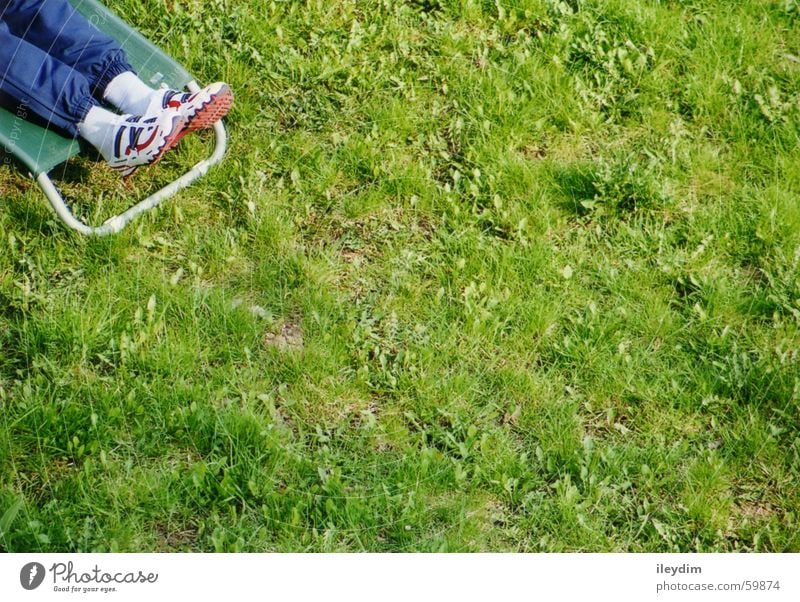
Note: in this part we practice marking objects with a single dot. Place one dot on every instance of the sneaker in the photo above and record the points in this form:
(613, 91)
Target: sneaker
(142, 140)
(202, 109)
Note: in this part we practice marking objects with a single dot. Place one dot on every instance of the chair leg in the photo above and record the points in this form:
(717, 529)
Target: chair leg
(118, 222)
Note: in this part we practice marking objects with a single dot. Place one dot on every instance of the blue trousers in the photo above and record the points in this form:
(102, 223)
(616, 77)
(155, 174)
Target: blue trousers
(54, 62)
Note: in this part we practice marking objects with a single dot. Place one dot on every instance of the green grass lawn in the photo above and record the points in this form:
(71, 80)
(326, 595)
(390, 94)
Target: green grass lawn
(475, 275)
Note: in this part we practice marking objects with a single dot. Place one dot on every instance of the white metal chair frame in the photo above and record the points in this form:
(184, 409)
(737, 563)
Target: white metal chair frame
(116, 223)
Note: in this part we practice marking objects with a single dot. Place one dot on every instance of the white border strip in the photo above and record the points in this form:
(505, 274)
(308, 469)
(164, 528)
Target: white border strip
(401, 577)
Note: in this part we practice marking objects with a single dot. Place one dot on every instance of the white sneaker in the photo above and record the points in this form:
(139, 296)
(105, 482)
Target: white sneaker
(202, 109)
(142, 140)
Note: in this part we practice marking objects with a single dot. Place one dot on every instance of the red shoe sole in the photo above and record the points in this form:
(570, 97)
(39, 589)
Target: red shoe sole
(210, 113)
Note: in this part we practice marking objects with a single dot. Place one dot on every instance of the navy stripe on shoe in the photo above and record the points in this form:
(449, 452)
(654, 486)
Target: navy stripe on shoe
(118, 142)
(133, 138)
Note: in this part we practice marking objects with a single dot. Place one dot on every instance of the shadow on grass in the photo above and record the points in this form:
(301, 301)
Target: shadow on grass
(31, 216)
(36, 215)
(75, 172)
(576, 184)
(13, 352)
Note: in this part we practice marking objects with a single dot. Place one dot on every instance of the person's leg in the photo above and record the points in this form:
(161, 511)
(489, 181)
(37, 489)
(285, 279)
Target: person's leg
(54, 92)
(63, 33)
(60, 96)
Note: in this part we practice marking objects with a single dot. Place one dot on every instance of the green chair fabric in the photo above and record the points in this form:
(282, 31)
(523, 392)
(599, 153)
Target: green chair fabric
(41, 149)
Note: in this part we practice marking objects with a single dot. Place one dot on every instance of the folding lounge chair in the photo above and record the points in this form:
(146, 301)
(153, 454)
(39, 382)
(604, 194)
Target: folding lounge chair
(41, 150)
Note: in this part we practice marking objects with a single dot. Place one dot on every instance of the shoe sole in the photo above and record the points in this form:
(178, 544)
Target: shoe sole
(172, 139)
(210, 113)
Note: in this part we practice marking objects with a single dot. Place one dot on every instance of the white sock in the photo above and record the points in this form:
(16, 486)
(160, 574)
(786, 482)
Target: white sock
(129, 93)
(99, 128)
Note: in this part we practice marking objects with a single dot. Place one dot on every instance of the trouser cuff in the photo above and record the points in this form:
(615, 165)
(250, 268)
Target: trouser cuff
(82, 108)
